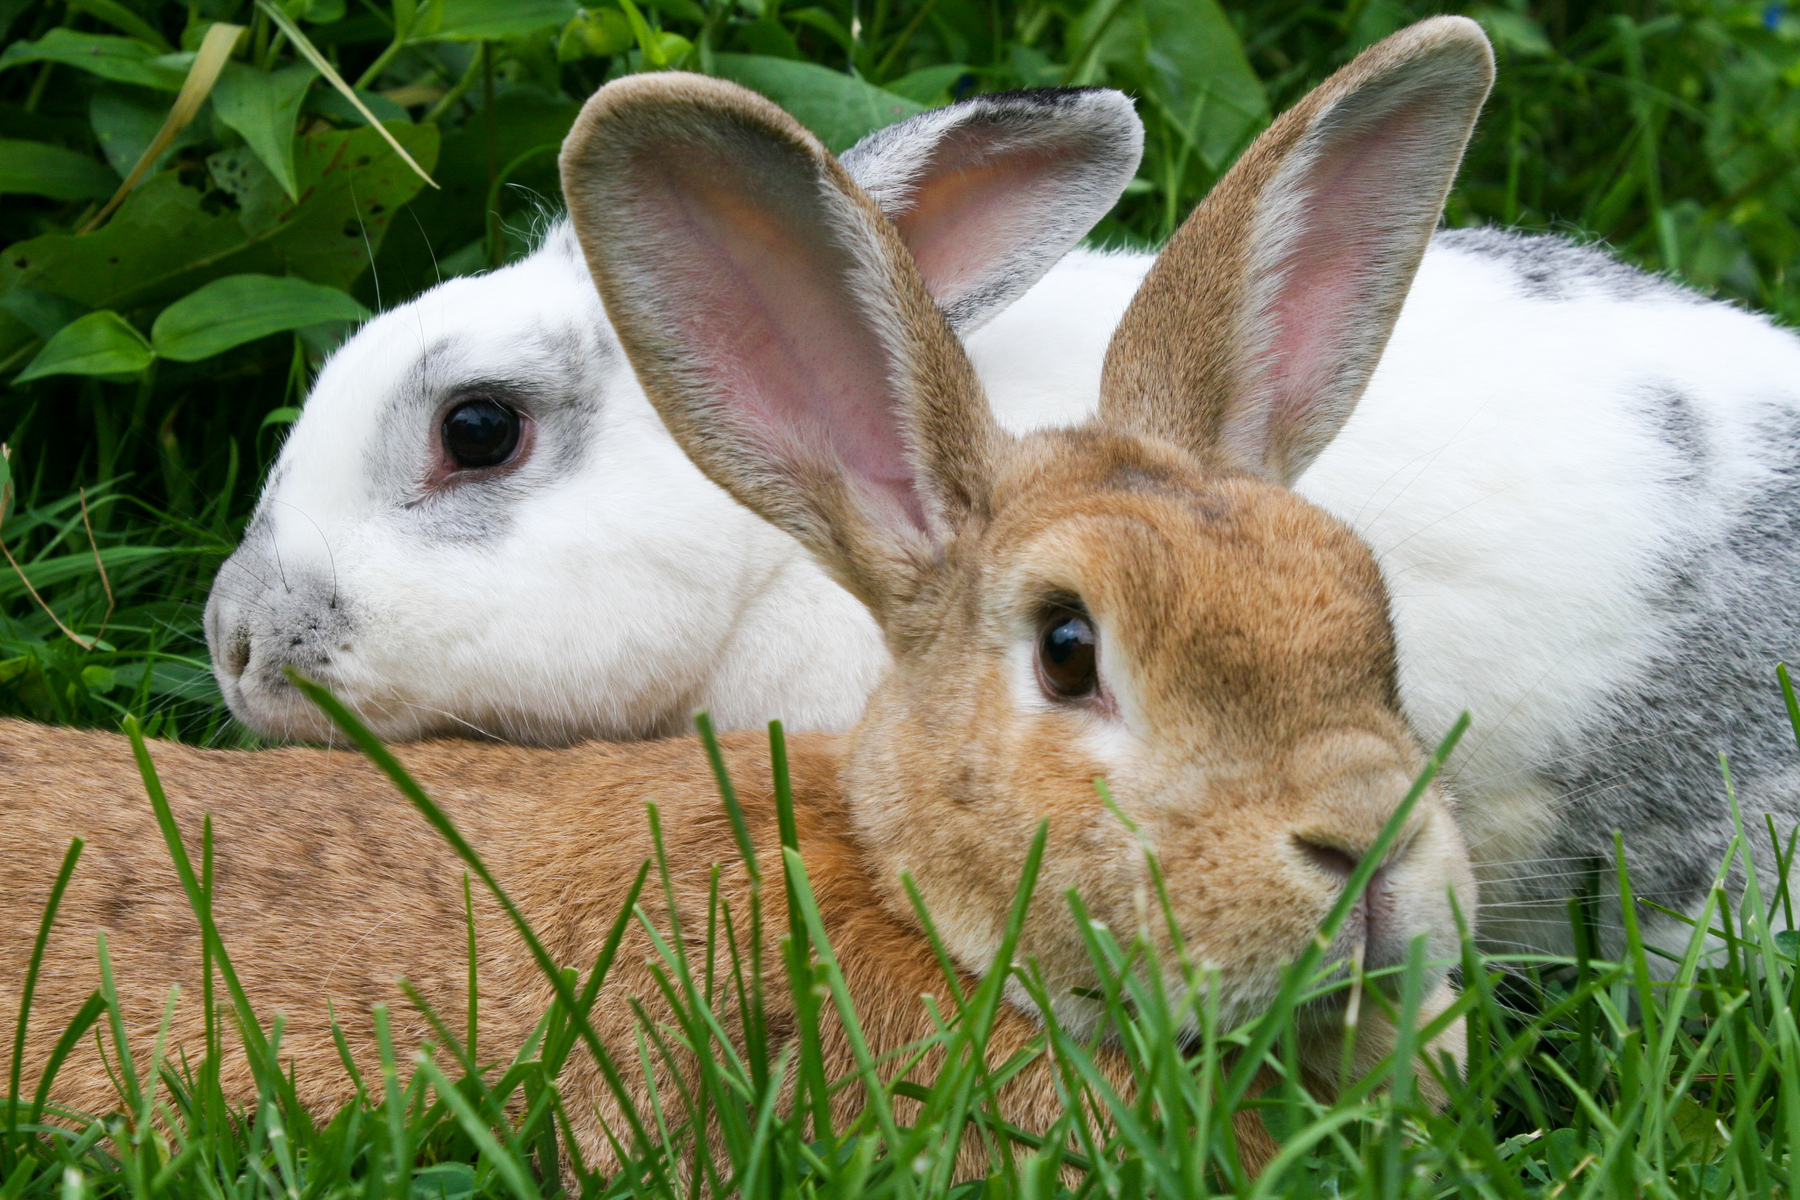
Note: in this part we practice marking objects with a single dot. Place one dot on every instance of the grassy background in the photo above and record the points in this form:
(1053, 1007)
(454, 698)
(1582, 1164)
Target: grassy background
(1670, 128)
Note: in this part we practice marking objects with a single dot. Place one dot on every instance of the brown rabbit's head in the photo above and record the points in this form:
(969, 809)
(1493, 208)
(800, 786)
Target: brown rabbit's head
(1142, 598)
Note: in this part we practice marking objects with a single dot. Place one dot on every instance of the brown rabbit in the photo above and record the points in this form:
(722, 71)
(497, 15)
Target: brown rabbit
(1141, 599)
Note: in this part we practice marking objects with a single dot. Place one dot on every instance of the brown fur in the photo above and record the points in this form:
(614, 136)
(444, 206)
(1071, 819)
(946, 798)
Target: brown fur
(1248, 722)
(329, 888)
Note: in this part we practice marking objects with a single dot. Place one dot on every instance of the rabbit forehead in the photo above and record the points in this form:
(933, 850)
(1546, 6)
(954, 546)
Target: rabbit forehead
(1218, 597)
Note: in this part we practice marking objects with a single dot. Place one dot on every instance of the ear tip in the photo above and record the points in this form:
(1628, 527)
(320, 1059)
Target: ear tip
(1453, 35)
(650, 95)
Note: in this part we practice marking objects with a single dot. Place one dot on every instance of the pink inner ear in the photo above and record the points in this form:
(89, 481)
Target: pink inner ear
(973, 210)
(765, 307)
(1325, 313)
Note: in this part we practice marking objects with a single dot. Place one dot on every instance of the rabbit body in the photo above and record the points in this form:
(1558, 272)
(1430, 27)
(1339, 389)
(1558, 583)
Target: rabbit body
(327, 891)
(1141, 598)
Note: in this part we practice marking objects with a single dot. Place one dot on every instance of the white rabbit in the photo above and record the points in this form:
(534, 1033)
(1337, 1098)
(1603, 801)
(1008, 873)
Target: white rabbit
(1580, 481)
(591, 582)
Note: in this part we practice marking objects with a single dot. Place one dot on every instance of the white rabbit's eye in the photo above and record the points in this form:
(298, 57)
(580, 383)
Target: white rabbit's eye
(1067, 663)
(480, 433)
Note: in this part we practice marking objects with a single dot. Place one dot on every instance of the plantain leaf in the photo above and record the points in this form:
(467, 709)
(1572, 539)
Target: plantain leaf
(125, 59)
(241, 308)
(263, 107)
(101, 343)
(40, 169)
(838, 109)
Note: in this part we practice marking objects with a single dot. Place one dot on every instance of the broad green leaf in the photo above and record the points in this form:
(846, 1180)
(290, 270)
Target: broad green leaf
(40, 169)
(838, 109)
(167, 239)
(770, 38)
(263, 107)
(241, 308)
(101, 343)
(1200, 76)
(332, 103)
(488, 20)
(205, 65)
(127, 60)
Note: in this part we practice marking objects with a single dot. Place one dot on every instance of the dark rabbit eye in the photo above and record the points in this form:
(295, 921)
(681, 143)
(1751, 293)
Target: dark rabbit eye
(480, 433)
(1066, 661)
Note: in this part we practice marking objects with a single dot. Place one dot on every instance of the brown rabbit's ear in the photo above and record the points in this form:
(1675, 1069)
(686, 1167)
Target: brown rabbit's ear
(778, 324)
(1257, 329)
(989, 193)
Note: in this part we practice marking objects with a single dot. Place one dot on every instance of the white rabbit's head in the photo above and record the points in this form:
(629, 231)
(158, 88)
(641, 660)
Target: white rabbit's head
(479, 526)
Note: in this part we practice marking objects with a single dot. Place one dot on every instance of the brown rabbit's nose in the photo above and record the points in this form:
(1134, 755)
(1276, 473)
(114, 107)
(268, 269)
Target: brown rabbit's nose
(1375, 920)
(1332, 860)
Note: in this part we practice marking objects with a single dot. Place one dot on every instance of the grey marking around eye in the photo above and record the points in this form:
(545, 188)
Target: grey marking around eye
(1548, 267)
(557, 377)
(1648, 764)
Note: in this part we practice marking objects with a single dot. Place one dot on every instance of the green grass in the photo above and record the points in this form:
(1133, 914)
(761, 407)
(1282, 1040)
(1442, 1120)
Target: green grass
(1585, 1078)
(1670, 128)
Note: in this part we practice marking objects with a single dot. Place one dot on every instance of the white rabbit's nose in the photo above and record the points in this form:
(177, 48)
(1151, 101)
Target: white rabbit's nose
(235, 656)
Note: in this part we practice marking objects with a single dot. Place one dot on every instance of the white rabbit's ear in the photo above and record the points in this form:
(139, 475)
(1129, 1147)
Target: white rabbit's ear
(778, 324)
(1255, 332)
(991, 192)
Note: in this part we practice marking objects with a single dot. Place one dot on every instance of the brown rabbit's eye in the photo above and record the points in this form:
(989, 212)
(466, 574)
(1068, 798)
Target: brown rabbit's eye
(1066, 661)
(480, 433)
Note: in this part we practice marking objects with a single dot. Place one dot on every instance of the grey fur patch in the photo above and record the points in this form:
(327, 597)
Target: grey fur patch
(1648, 765)
(1679, 424)
(1553, 268)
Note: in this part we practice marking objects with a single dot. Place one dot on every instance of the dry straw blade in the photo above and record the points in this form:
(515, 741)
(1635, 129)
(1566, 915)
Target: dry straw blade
(215, 52)
(311, 53)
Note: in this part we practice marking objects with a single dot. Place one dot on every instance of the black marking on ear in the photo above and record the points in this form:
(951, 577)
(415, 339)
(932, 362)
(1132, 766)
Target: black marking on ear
(1552, 268)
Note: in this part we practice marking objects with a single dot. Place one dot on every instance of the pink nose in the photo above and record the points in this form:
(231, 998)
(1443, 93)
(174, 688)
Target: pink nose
(1372, 920)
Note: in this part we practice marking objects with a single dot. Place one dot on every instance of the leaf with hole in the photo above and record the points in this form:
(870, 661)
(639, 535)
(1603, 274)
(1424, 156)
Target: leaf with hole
(40, 169)
(101, 343)
(168, 238)
(263, 106)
